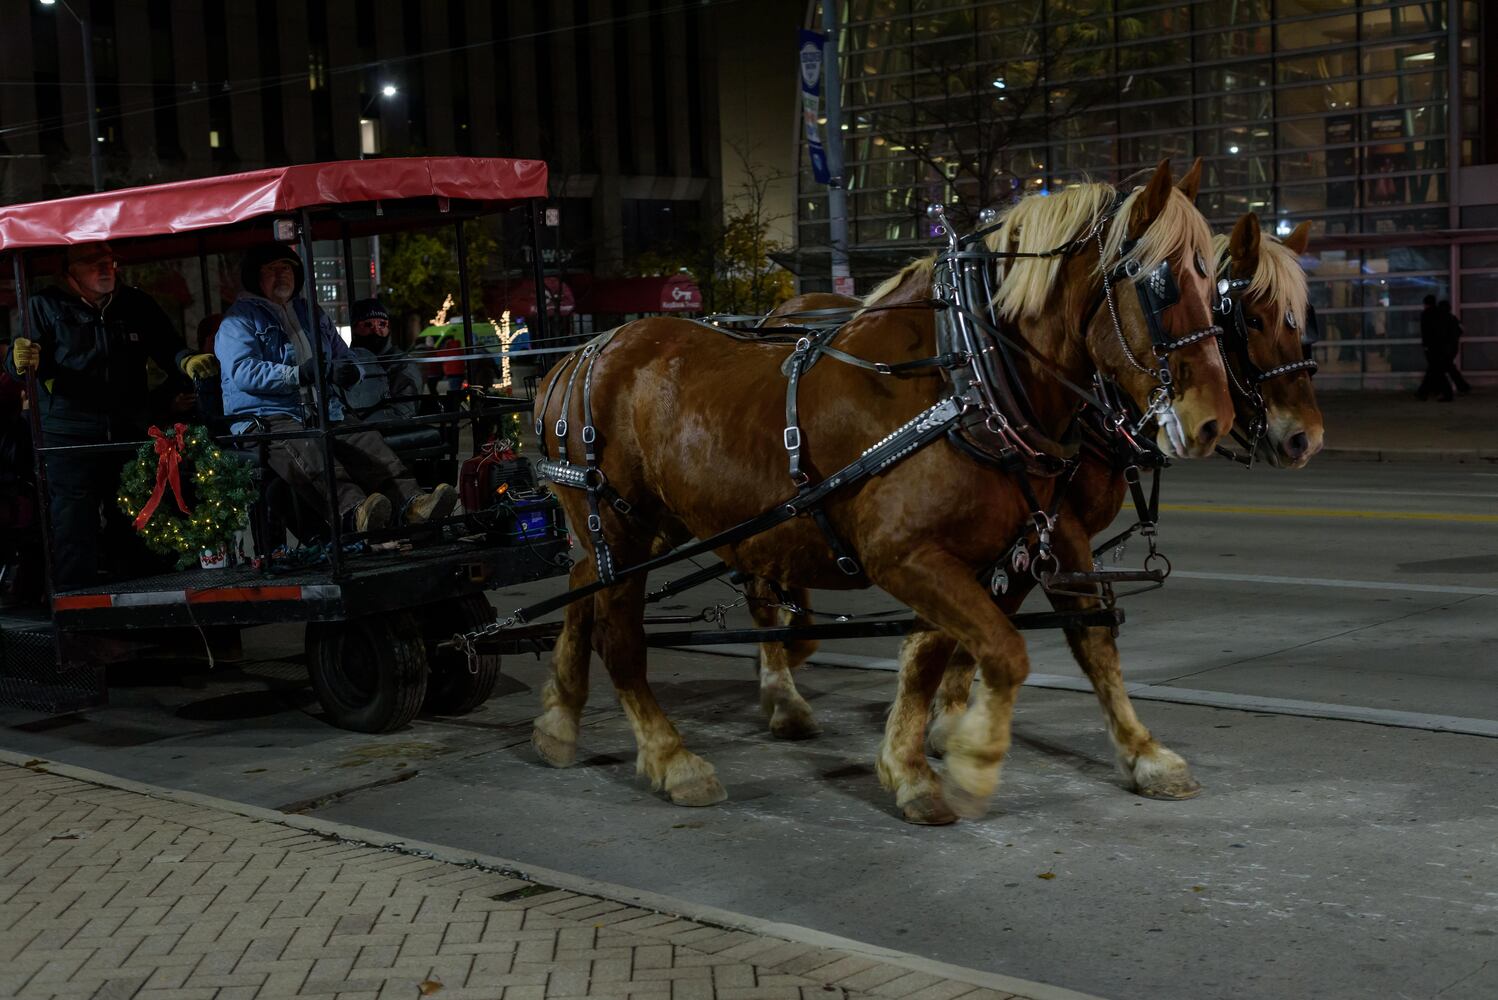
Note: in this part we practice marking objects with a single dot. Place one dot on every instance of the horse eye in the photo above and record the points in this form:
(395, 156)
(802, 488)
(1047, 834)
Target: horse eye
(1256, 323)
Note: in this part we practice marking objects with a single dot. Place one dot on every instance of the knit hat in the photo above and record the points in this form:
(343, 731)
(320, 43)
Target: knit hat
(262, 254)
(369, 309)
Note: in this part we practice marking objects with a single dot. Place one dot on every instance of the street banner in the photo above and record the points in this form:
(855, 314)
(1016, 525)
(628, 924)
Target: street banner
(811, 101)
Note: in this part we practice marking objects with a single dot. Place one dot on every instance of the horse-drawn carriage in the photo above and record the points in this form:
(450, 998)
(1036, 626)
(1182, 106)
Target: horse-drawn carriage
(956, 439)
(377, 603)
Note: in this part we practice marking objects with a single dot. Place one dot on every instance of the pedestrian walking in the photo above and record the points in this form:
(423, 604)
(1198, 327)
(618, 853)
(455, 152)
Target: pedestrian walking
(1433, 343)
(1451, 346)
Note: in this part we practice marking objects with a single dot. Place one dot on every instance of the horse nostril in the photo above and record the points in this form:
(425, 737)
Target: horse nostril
(1297, 444)
(1207, 431)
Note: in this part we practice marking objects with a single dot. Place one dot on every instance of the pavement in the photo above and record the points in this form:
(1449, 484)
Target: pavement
(112, 889)
(1322, 656)
(1398, 427)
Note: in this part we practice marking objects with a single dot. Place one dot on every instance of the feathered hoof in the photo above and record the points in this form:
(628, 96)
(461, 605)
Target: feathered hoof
(557, 753)
(1164, 774)
(1183, 787)
(793, 725)
(966, 804)
(928, 810)
(939, 733)
(708, 791)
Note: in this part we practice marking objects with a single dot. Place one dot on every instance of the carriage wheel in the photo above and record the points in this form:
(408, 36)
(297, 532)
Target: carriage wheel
(370, 674)
(453, 688)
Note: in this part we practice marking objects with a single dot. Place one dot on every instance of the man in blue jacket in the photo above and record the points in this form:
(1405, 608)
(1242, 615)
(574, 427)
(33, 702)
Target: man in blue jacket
(264, 347)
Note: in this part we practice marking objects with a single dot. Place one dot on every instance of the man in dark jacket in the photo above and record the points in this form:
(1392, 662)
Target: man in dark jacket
(1433, 339)
(89, 344)
(1451, 347)
(390, 382)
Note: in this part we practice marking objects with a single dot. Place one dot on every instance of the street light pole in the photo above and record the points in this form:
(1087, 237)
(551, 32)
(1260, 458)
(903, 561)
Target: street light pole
(837, 191)
(95, 156)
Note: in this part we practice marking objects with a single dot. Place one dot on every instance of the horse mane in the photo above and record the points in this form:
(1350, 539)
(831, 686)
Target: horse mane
(1041, 223)
(885, 288)
(1279, 276)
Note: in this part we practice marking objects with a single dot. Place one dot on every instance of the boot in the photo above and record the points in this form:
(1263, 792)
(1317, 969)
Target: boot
(372, 514)
(434, 506)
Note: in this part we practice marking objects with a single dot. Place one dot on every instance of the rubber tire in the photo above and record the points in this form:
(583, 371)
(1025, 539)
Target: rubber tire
(452, 689)
(370, 673)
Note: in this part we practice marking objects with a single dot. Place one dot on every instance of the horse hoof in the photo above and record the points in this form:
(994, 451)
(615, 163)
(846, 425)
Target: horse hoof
(928, 810)
(1183, 787)
(708, 791)
(966, 804)
(791, 726)
(552, 750)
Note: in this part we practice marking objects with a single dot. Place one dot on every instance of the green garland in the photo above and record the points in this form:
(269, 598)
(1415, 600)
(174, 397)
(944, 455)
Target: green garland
(217, 488)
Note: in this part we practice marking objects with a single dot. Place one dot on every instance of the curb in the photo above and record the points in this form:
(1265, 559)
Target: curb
(562, 880)
(1459, 456)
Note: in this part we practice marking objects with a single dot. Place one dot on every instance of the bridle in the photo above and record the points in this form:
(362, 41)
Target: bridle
(1229, 307)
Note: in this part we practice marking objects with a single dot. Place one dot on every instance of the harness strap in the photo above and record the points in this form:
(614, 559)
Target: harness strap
(603, 558)
(921, 430)
(560, 428)
(546, 402)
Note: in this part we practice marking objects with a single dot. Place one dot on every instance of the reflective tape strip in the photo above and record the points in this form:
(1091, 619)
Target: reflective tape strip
(150, 599)
(209, 595)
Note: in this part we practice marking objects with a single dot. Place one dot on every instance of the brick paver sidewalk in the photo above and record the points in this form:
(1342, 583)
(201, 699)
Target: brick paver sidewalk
(109, 893)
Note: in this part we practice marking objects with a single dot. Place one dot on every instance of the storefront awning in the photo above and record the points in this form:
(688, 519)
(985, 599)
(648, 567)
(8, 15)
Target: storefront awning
(674, 293)
(519, 297)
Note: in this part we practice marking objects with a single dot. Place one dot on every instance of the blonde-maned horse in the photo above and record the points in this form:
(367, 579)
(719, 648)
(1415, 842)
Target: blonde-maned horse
(688, 428)
(1274, 306)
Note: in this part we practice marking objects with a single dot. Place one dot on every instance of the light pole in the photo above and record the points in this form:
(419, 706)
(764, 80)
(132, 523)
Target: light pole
(387, 91)
(95, 157)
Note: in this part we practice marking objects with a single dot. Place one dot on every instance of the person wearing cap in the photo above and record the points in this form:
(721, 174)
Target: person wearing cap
(391, 381)
(90, 340)
(265, 346)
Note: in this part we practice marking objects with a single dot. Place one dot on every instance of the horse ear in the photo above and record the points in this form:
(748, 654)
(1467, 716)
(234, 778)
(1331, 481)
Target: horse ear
(1243, 245)
(1298, 241)
(1152, 200)
(1192, 182)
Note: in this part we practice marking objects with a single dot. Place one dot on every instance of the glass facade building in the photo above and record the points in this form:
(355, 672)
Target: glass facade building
(1363, 117)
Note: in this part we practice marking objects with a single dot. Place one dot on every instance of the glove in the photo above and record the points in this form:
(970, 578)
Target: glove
(306, 372)
(344, 373)
(200, 366)
(25, 354)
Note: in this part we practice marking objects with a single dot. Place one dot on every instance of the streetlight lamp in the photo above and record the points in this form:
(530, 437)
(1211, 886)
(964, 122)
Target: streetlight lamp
(368, 144)
(95, 157)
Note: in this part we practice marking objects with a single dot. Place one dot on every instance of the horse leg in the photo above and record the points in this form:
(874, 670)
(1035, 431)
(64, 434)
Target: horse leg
(902, 764)
(1151, 769)
(941, 589)
(789, 714)
(620, 630)
(951, 700)
(554, 734)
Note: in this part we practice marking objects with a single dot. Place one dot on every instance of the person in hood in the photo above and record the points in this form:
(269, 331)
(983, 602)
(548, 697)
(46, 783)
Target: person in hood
(265, 347)
(90, 340)
(391, 382)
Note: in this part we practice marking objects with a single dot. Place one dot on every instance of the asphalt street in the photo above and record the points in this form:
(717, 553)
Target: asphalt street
(1322, 655)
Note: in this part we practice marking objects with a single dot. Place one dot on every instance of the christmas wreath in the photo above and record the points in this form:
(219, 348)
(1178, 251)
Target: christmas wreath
(211, 493)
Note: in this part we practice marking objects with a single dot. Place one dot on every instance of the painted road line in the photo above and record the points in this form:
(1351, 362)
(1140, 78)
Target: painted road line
(1367, 515)
(1306, 581)
(1428, 494)
(1192, 696)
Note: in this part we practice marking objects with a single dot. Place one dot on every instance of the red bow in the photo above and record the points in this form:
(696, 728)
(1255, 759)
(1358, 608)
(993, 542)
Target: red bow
(168, 471)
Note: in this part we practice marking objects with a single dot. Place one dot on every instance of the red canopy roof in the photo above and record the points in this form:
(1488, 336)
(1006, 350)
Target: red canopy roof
(675, 293)
(184, 206)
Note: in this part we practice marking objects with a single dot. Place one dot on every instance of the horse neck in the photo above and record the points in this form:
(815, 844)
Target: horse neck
(1057, 335)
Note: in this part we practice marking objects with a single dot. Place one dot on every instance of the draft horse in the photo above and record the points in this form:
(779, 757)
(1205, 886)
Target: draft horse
(1263, 308)
(689, 427)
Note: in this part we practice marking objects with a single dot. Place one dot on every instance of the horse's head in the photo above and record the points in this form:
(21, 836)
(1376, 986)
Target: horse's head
(1268, 337)
(1135, 277)
(1157, 252)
